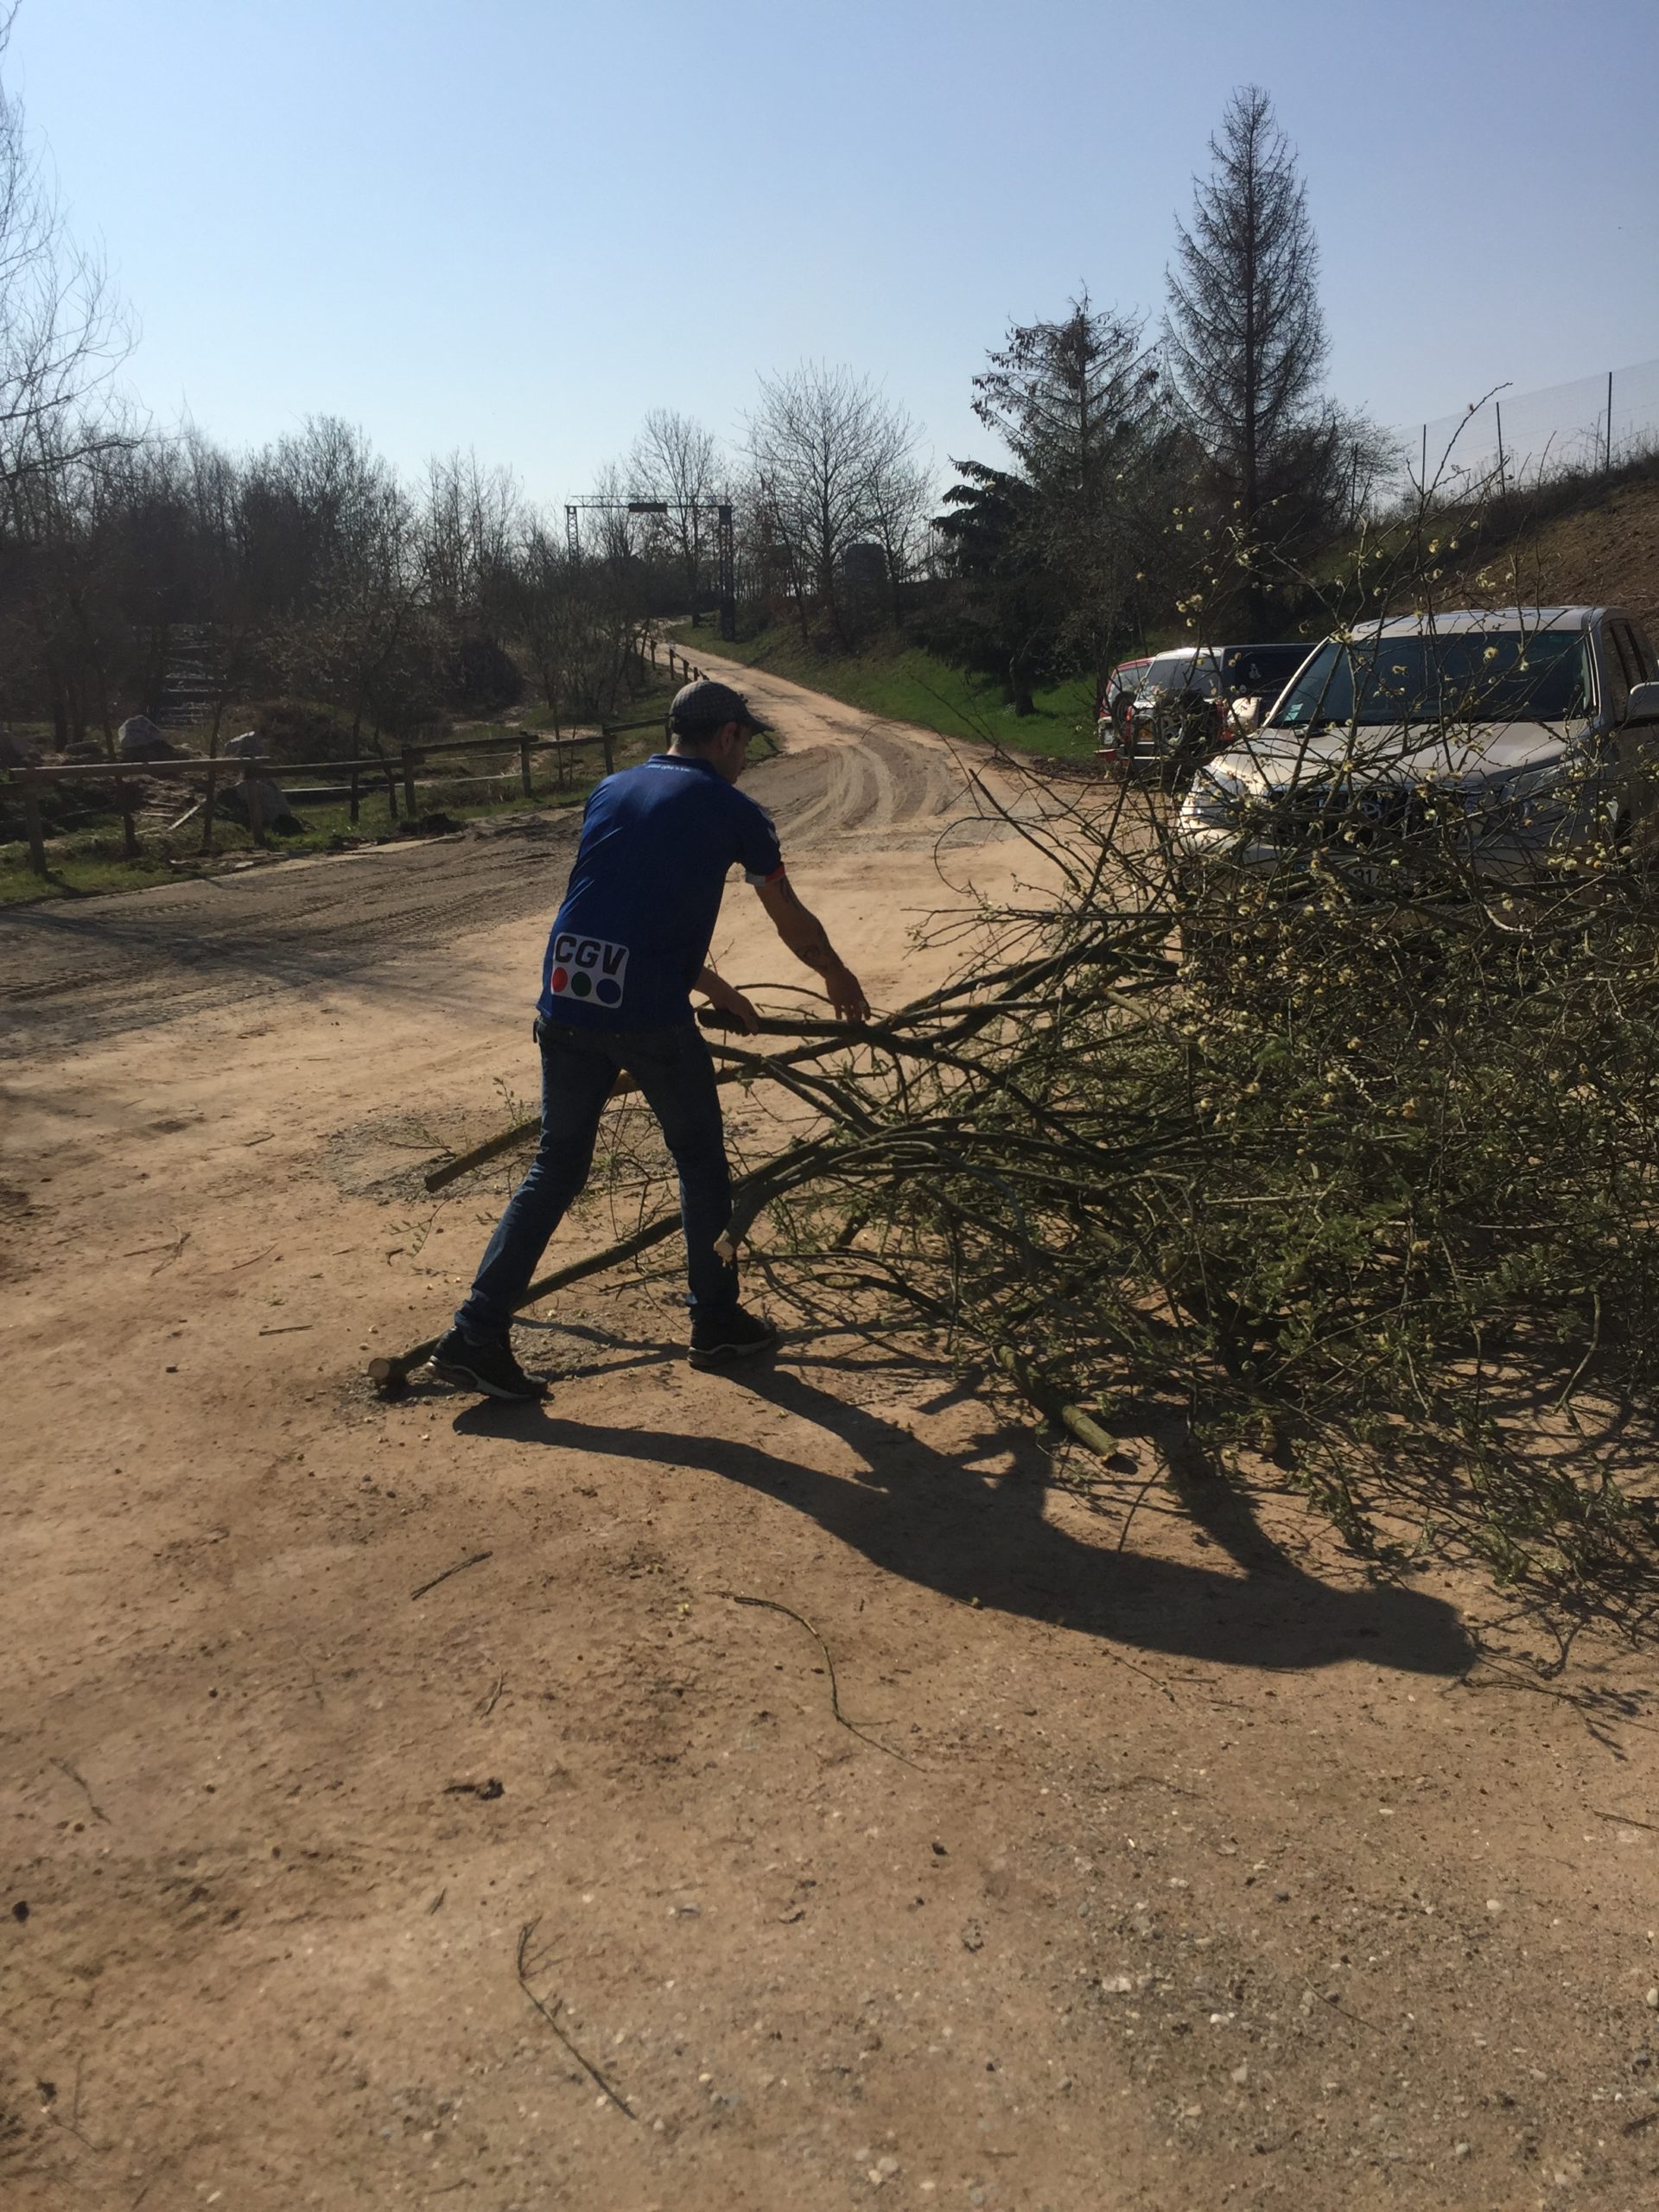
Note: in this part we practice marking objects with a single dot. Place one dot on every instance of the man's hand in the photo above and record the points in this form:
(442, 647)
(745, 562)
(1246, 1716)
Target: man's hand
(845, 993)
(808, 939)
(719, 993)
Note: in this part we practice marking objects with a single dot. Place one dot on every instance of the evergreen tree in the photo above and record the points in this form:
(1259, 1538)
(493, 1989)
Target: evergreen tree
(1080, 407)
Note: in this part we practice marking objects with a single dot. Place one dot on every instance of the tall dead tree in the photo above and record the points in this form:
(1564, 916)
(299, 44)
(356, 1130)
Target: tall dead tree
(1245, 334)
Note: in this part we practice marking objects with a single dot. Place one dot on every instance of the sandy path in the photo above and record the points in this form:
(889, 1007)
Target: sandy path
(1191, 1872)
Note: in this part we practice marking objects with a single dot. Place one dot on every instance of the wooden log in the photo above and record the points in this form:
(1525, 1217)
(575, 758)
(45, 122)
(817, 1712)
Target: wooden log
(129, 833)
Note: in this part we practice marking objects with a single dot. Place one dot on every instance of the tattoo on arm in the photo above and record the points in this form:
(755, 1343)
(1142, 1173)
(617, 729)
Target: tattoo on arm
(799, 928)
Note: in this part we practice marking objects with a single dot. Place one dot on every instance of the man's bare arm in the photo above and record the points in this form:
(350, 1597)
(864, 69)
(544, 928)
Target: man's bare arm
(807, 939)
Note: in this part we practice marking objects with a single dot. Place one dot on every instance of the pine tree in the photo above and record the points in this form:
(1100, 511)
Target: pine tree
(1080, 408)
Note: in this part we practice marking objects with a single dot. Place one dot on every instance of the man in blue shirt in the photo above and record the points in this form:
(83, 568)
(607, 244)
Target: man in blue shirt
(629, 945)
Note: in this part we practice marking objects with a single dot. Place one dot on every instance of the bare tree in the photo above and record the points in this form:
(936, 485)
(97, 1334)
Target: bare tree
(470, 523)
(1244, 330)
(677, 460)
(63, 332)
(831, 458)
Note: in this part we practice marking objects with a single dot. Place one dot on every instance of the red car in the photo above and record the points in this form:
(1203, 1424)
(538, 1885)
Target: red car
(1114, 704)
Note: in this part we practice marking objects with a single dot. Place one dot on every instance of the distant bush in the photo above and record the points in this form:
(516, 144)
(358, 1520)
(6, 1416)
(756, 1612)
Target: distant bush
(479, 678)
(298, 730)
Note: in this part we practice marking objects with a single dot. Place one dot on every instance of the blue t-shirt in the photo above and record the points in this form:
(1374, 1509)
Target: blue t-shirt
(643, 896)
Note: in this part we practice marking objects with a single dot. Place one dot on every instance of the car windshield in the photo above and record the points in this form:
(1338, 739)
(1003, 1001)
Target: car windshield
(1490, 675)
(1181, 672)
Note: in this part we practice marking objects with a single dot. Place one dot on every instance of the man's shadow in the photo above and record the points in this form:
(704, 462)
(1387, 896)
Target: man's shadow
(936, 1520)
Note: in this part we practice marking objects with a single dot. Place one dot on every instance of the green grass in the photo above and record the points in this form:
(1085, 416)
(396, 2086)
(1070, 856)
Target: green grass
(910, 685)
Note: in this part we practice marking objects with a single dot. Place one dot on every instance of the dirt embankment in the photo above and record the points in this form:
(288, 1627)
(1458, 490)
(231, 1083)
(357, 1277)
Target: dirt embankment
(1603, 553)
(429, 1803)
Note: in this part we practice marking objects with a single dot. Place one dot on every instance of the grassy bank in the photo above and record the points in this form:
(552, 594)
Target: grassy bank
(912, 686)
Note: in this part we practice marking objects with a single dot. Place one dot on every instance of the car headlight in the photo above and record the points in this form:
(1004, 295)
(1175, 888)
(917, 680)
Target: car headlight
(1212, 802)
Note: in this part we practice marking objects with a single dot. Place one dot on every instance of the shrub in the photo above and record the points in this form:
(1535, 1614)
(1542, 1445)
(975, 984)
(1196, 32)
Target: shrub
(479, 678)
(299, 730)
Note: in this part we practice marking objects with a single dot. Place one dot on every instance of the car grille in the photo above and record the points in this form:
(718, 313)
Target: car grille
(1335, 813)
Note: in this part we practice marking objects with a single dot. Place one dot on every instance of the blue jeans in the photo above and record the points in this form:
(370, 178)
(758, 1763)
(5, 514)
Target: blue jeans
(673, 1069)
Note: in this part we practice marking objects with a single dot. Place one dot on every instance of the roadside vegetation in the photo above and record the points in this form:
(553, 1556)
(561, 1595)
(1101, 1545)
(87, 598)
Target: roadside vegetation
(906, 683)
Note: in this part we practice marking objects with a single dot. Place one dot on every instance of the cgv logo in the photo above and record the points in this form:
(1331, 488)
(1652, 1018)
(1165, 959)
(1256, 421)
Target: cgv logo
(587, 967)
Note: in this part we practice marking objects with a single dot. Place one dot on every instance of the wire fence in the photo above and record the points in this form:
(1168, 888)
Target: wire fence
(1592, 424)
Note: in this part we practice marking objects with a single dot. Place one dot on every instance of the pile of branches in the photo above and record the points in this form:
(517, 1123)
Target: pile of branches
(1366, 1187)
(1361, 1186)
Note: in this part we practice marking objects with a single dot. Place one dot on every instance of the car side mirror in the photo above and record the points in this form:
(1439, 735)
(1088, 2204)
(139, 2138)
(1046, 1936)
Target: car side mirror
(1247, 712)
(1644, 704)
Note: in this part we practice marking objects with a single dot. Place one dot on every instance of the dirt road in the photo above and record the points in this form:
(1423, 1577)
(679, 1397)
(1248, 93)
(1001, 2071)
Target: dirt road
(433, 1804)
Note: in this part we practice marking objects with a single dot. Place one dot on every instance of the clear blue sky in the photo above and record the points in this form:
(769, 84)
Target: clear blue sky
(517, 224)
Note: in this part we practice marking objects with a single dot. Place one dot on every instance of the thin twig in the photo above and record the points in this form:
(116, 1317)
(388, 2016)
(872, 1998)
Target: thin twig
(77, 1776)
(172, 1250)
(1358, 2019)
(552, 2018)
(477, 1558)
(1623, 1820)
(1124, 1533)
(771, 1605)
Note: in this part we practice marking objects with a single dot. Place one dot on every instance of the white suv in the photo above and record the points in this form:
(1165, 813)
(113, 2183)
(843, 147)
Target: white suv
(1508, 738)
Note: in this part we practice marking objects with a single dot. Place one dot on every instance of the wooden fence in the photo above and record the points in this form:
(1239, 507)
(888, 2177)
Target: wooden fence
(252, 770)
(373, 768)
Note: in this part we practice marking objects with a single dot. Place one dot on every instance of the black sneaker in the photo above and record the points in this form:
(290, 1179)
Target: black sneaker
(717, 1339)
(490, 1367)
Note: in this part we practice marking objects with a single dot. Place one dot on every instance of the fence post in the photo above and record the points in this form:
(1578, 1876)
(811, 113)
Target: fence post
(32, 821)
(356, 791)
(1609, 422)
(409, 780)
(208, 800)
(524, 766)
(124, 800)
(609, 745)
(250, 799)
